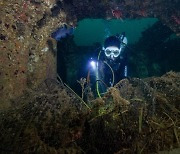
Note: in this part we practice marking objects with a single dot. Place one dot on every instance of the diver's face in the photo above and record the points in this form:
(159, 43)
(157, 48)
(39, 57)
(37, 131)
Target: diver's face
(112, 52)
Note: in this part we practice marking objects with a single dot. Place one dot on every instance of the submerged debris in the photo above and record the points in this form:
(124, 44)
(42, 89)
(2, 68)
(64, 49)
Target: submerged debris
(135, 116)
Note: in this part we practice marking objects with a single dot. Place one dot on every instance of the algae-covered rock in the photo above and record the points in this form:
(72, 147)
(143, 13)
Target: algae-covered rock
(29, 54)
(134, 116)
(46, 116)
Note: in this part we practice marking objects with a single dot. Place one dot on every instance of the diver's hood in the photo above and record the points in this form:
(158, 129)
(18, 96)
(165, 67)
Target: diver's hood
(112, 41)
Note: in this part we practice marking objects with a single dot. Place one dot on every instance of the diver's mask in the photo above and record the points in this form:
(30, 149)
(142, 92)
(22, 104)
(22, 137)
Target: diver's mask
(112, 52)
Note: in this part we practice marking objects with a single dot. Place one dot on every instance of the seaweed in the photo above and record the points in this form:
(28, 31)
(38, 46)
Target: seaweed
(134, 116)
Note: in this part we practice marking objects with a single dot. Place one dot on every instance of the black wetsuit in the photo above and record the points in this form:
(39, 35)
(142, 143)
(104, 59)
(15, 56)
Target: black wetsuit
(119, 67)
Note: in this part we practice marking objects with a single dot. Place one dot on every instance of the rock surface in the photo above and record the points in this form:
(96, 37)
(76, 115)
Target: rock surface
(135, 116)
(28, 54)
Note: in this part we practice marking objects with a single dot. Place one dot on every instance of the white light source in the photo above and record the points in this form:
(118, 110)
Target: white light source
(93, 64)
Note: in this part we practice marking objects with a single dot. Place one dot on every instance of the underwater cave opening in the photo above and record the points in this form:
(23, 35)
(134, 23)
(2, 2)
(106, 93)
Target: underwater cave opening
(153, 49)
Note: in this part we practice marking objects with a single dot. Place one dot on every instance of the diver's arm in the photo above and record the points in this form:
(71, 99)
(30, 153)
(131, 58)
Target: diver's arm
(123, 46)
(125, 63)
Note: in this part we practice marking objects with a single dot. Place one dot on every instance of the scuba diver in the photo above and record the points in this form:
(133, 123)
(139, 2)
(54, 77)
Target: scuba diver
(110, 66)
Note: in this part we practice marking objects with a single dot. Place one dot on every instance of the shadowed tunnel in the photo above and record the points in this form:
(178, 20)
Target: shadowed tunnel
(153, 48)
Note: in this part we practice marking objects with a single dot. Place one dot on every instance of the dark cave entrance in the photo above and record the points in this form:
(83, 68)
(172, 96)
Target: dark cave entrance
(72, 61)
(154, 53)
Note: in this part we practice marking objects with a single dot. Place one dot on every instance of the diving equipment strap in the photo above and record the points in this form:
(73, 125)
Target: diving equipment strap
(97, 75)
